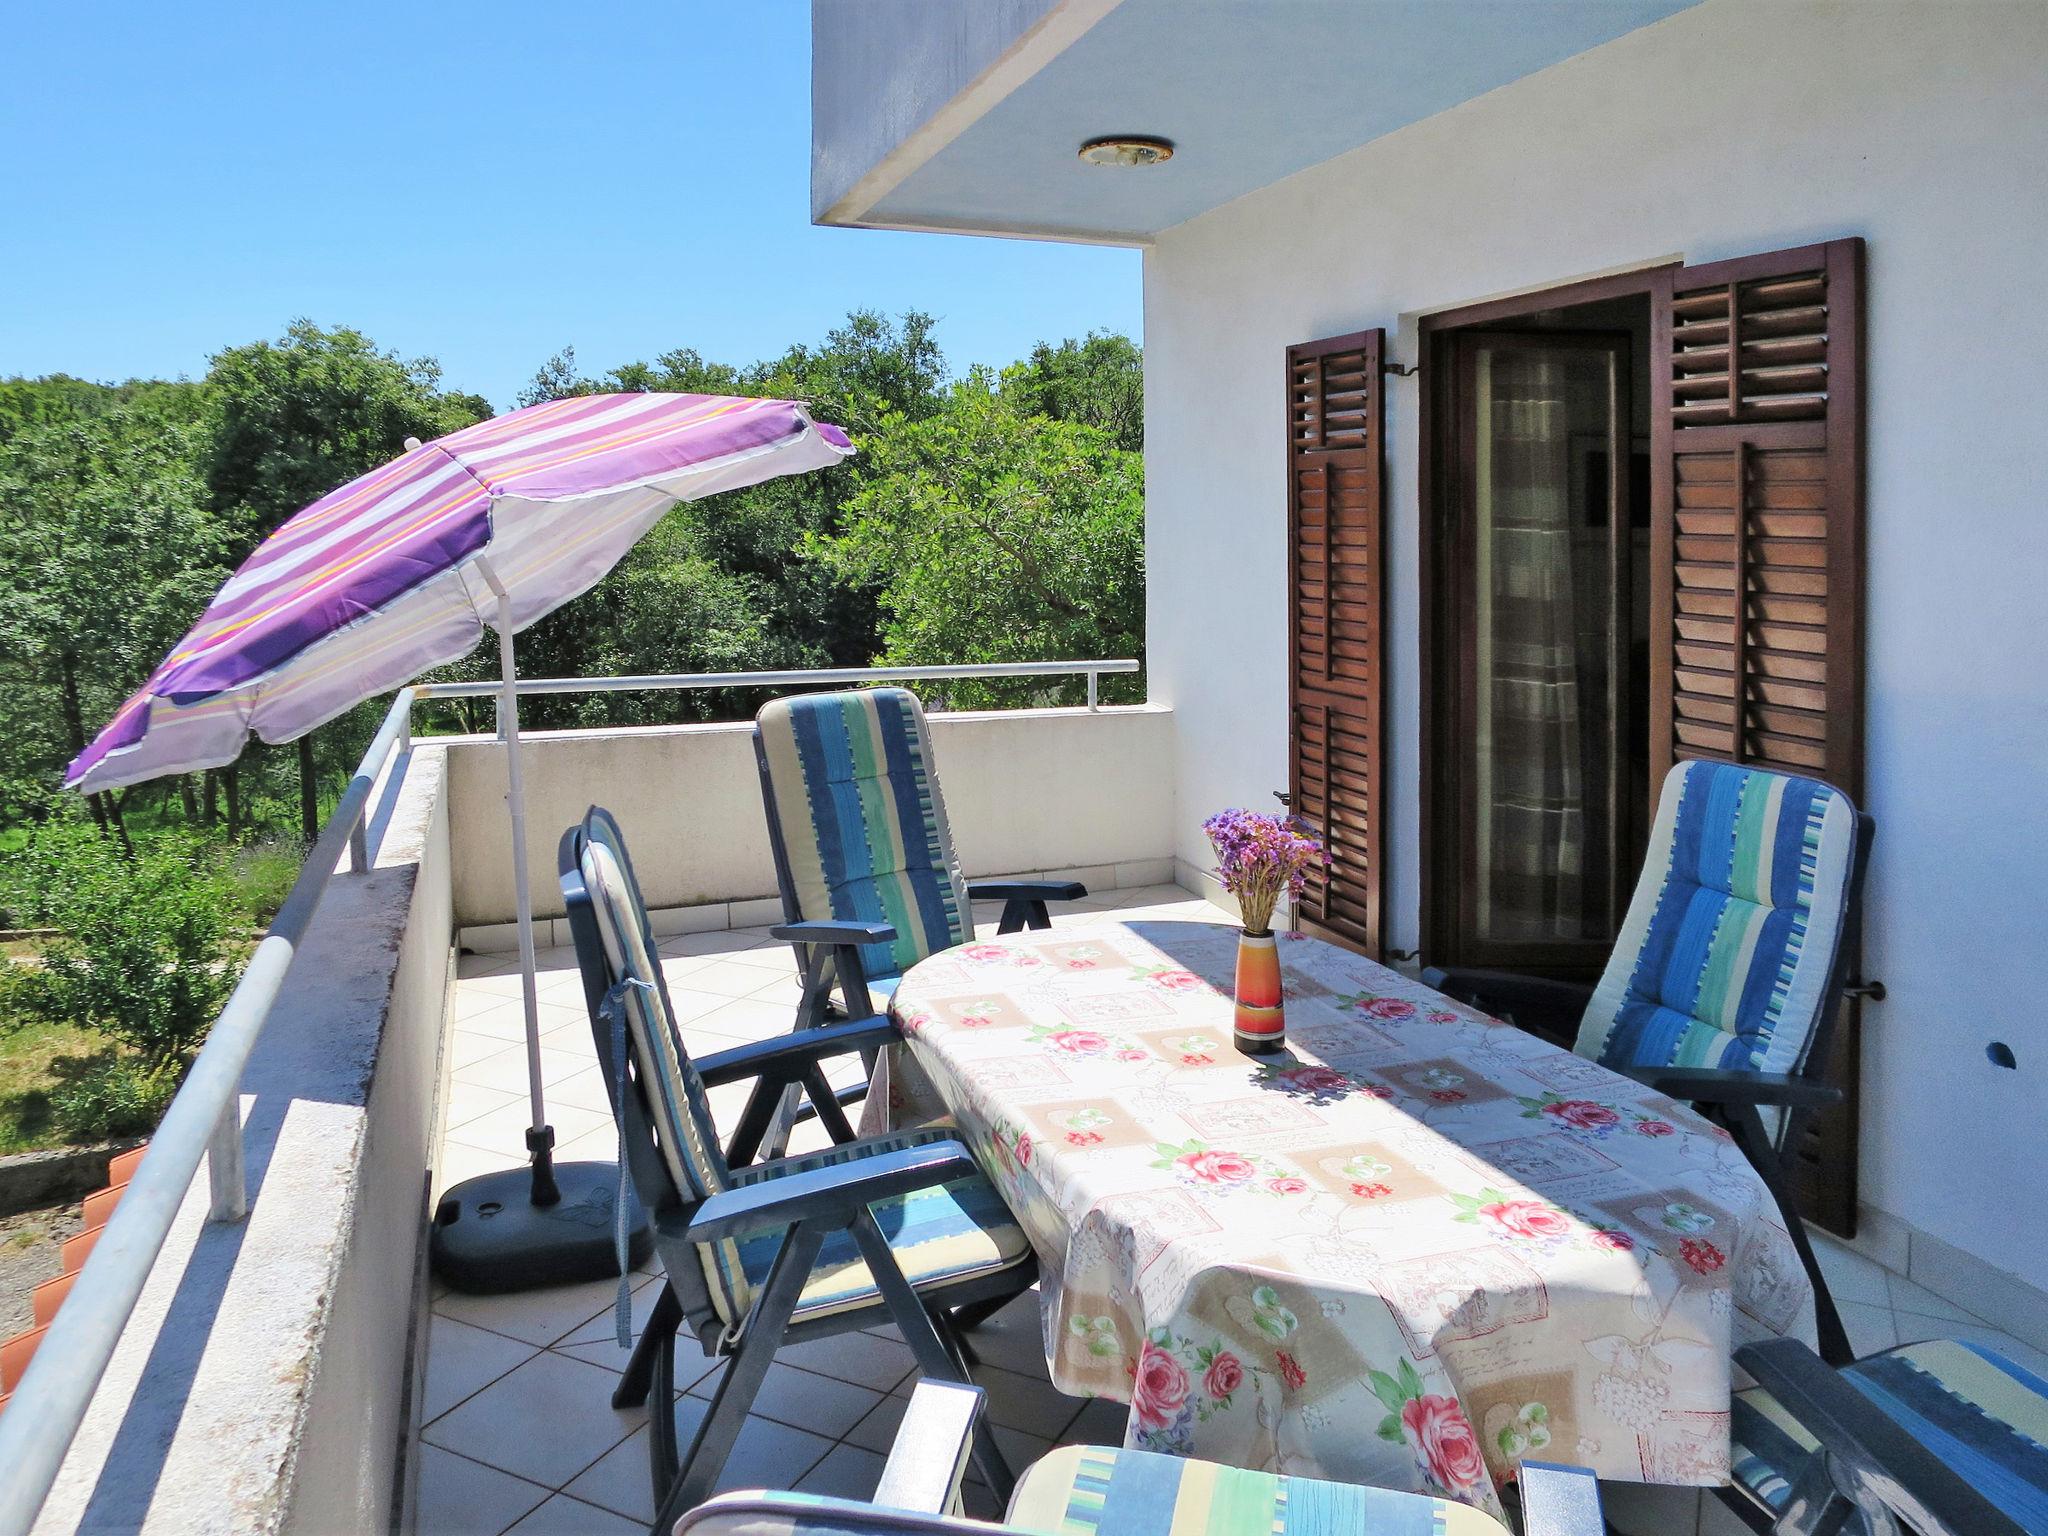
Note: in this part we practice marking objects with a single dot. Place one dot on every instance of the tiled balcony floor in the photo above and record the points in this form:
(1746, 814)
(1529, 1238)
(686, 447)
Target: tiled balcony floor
(519, 1432)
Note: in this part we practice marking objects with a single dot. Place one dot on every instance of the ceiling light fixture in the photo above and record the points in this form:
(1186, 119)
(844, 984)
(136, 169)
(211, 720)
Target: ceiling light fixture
(1127, 149)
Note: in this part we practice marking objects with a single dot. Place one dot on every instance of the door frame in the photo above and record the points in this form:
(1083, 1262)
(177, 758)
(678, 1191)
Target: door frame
(1437, 433)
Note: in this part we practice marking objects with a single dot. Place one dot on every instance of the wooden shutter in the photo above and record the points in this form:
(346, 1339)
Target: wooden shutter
(1336, 623)
(1756, 612)
(1756, 649)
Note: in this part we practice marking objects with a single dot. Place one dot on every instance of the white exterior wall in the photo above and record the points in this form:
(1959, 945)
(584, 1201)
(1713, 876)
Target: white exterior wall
(1735, 127)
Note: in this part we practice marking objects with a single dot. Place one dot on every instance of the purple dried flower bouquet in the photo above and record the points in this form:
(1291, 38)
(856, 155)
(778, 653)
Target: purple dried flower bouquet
(1260, 857)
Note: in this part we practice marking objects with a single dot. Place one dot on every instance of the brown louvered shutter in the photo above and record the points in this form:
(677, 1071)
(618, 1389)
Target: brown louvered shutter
(1757, 538)
(1335, 440)
(1756, 615)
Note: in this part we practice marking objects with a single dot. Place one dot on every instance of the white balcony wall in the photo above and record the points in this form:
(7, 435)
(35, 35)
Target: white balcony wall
(260, 1385)
(1027, 791)
(1728, 128)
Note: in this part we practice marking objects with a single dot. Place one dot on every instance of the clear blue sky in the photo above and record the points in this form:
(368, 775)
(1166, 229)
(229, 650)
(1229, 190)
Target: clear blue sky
(482, 183)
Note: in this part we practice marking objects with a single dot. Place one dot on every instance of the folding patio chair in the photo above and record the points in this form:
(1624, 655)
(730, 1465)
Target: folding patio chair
(1941, 1438)
(1729, 969)
(896, 1228)
(1085, 1490)
(863, 851)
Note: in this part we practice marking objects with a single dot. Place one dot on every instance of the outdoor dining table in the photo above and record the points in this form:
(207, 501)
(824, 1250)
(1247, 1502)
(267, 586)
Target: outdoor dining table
(1414, 1248)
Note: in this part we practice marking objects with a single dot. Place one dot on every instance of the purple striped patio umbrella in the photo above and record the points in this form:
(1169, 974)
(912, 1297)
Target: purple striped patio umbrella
(401, 570)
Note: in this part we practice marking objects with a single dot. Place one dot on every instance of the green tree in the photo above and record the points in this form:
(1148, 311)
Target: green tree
(107, 551)
(1099, 382)
(992, 535)
(293, 419)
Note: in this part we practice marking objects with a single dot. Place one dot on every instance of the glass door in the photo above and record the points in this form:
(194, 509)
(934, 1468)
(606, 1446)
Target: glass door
(1547, 806)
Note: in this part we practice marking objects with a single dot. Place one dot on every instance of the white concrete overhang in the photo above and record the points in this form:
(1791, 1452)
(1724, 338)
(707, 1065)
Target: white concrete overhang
(966, 115)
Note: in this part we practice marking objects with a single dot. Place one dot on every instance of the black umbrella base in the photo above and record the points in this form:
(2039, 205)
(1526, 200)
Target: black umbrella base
(490, 1236)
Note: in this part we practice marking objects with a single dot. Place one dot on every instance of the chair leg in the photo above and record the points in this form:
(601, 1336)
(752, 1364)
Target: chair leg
(766, 1322)
(1747, 1128)
(929, 1333)
(659, 1333)
(662, 1463)
(988, 1456)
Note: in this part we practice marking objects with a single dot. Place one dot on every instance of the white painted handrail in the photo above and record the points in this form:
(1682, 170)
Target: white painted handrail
(204, 1120)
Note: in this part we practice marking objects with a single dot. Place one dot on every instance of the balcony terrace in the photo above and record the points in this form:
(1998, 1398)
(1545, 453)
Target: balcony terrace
(297, 1368)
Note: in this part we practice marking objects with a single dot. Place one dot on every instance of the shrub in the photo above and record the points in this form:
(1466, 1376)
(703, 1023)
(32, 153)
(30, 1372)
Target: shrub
(145, 946)
(114, 1095)
(265, 873)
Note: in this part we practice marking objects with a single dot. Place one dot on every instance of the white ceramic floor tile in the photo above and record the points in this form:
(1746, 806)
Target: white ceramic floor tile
(460, 1497)
(1101, 1421)
(715, 941)
(564, 1516)
(1013, 1338)
(546, 1421)
(861, 1358)
(877, 1432)
(507, 1070)
(733, 978)
(462, 1361)
(783, 991)
(1850, 1276)
(469, 1003)
(766, 1455)
(1031, 1403)
(774, 957)
(1020, 1449)
(1870, 1329)
(533, 1317)
(503, 1022)
(1907, 1296)
(847, 1472)
(506, 1126)
(824, 1405)
(465, 1102)
(747, 1018)
(466, 1046)
(585, 1090)
(600, 1328)
(692, 1003)
(618, 1481)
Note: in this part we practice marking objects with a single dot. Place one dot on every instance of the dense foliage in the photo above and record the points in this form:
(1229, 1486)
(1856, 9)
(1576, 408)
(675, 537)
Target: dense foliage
(993, 517)
(142, 954)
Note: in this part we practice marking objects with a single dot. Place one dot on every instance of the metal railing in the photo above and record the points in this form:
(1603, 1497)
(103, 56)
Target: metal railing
(204, 1120)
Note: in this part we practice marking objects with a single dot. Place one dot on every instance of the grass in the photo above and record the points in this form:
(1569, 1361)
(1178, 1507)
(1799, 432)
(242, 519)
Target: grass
(34, 1059)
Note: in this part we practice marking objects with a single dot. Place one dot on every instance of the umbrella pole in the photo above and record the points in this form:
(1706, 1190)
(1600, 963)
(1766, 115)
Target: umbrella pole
(540, 1136)
(555, 1223)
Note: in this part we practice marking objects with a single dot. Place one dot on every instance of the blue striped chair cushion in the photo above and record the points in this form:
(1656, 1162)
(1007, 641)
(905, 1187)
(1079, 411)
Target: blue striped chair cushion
(1733, 929)
(1981, 1414)
(863, 823)
(671, 1089)
(1080, 1490)
(952, 1233)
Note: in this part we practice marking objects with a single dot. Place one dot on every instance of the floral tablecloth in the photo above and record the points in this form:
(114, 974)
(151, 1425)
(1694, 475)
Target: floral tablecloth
(1412, 1250)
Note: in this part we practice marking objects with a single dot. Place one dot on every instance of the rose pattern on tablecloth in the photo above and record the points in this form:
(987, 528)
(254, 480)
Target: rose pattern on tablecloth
(1412, 1250)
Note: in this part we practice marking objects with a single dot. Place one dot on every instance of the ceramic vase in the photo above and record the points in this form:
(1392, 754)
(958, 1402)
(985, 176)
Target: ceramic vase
(1261, 1023)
